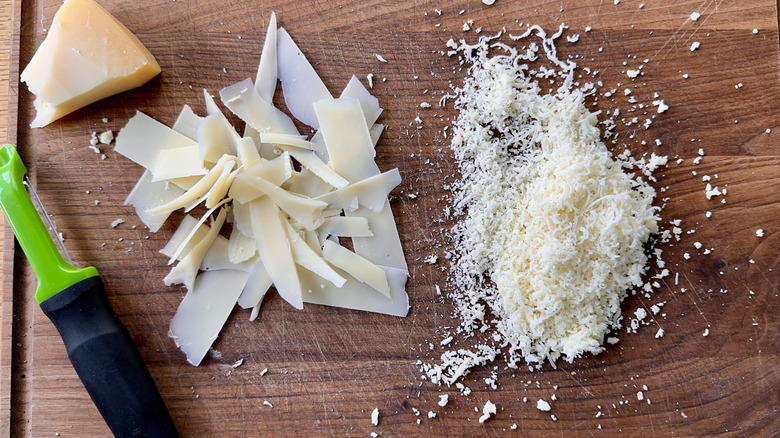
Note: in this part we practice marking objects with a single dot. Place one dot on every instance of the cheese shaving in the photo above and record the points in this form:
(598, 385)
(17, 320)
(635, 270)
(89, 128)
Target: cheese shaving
(291, 198)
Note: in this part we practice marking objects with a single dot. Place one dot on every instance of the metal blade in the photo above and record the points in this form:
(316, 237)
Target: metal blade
(42, 211)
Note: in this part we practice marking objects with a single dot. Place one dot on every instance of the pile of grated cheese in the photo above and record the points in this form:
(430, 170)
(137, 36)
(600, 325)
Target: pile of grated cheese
(551, 232)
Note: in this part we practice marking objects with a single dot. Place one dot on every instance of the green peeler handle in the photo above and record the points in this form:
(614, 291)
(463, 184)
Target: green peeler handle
(53, 272)
(99, 346)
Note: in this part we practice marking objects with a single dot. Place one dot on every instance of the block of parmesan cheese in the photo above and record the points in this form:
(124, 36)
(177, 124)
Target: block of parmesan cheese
(87, 55)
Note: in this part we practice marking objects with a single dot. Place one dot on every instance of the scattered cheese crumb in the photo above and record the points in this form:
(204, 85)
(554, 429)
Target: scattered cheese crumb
(695, 45)
(660, 333)
(759, 232)
(695, 16)
(267, 403)
(380, 57)
(375, 416)
(662, 106)
(117, 222)
(488, 410)
(106, 137)
(443, 400)
(542, 405)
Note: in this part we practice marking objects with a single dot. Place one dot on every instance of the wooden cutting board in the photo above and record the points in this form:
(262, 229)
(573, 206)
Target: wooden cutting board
(715, 370)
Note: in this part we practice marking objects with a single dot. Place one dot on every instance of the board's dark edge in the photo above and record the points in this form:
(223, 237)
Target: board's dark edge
(14, 387)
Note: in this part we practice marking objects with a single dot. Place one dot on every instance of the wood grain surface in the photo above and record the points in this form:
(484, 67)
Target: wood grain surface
(714, 372)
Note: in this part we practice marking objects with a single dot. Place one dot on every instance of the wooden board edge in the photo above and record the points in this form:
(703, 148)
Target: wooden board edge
(7, 357)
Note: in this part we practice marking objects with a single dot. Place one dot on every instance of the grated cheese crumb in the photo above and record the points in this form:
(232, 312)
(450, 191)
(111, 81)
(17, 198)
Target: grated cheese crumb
(695, 45)
(557, 273)
(662, 106)
(543, 405)
(375, 416)
(443, 400)
(488, 410)
(759, 232)
(106, 137)
(695, 16)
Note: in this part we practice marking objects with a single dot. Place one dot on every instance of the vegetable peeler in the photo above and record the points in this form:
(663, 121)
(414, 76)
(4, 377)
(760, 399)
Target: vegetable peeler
(99, 346)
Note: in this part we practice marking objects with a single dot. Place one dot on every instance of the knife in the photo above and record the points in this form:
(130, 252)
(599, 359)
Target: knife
(99, 346)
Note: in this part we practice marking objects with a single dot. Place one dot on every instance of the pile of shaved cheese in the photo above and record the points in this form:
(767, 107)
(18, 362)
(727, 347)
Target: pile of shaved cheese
(289, 199)
(546, 212)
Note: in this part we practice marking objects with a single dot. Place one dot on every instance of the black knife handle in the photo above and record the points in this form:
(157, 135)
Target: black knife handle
(108, 362)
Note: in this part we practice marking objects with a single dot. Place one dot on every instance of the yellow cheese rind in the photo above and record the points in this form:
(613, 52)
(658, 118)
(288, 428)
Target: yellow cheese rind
(87, 55)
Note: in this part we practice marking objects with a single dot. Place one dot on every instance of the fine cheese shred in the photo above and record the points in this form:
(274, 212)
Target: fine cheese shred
(551, 234)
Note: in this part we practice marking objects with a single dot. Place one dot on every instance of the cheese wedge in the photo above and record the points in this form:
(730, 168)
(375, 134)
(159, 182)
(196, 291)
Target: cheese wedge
(88, 55)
